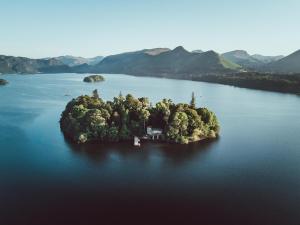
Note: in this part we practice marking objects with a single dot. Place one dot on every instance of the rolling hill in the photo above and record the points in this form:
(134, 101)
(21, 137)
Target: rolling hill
(75, 61)
(157, 62)
(11, 65)
(166, 63)
(267, 59)
(250, 62)
(243, 59)
(289, 64)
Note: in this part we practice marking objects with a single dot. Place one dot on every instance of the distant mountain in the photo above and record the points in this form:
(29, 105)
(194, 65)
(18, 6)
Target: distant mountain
(156, 51)
(267, 59)
(75, 61)
(288, 64)
(166, 63)
(176, 63)
(197, 51)
(11, 64)
(243, 59)
(247, 61)
(94, 60)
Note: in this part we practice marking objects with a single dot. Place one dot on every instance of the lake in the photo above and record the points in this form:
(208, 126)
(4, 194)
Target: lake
(249, 175)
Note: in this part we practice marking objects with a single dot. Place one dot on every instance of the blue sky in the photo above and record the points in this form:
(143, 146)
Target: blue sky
(41, 28)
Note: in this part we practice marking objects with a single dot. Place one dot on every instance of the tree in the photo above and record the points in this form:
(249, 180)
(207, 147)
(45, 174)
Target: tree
(124, 133)
(95, 94)
(194, 120)
(112, 134)
(210, 120)
(161, 113)
(193, 101)
(177, 130)
(96, 124)
(78, 111)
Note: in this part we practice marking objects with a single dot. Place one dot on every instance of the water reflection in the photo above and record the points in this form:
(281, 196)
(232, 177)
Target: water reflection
(174, 154)
(179, 154)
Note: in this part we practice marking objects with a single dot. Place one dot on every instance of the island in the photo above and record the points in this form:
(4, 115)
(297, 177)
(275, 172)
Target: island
(91, 119)
(3, 82)
(93, 78)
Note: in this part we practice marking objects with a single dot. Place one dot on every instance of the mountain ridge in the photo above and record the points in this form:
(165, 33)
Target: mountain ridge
(11, 64)
(289, 64)
(176, 61)
(78, 60)
(242, 58)
(251, 62)
(157, 62)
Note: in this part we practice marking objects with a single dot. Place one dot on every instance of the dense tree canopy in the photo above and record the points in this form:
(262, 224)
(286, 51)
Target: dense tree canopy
(89, 118)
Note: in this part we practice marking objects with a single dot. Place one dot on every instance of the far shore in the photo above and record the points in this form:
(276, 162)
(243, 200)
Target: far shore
(289, 84)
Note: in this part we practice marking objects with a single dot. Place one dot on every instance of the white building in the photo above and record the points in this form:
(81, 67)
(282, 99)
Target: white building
(154, 133)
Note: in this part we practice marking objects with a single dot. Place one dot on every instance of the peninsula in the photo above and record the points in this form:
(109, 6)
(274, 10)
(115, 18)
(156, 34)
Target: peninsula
(90, 118)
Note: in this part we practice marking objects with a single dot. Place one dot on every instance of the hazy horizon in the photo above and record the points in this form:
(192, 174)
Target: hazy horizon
(133, 50)
(90, 28)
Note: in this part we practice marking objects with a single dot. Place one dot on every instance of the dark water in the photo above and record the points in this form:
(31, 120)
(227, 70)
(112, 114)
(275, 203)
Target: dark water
(250, 175)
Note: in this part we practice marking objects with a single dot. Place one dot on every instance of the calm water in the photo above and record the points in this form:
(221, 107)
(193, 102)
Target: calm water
(250, 175)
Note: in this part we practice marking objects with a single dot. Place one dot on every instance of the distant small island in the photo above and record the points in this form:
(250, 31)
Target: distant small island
(3, 82)
(89, 118)
(93, 78)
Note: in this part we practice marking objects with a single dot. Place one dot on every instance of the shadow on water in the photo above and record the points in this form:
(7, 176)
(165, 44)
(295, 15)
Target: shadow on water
(179, 154)
(175, 154)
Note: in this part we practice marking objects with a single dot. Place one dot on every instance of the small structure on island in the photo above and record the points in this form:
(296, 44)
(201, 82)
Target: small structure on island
(154, 133)
(136, 141)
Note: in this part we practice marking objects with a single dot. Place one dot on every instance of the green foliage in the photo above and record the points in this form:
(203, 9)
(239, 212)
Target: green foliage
(124, 133)
(95, 94)
(160, 114)
(113, 134)
(78, 111)
(89, 118)
(193, 101)
(194, 120)
(210, 120)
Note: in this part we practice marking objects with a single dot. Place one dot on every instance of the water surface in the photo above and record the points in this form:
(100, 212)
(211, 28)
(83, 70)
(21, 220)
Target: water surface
(250, 175)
